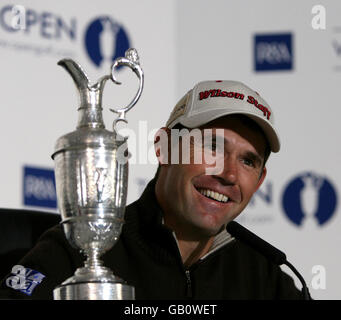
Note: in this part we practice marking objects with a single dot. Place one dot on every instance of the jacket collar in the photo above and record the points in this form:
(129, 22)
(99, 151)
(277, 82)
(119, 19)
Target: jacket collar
(153, 217)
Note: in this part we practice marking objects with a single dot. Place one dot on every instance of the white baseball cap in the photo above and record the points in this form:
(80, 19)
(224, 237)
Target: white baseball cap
(209, 100)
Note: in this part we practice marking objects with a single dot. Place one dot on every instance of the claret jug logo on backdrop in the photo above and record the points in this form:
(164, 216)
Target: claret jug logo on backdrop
(309, 198)
(105, 40)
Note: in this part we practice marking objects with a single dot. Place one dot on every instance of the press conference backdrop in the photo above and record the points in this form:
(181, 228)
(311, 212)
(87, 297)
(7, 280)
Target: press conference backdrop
(288, 51)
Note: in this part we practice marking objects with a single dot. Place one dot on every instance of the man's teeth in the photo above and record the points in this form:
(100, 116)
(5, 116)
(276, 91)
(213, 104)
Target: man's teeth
(214, 195)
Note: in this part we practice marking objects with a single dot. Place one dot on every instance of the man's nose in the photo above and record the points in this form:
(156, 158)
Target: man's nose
(229, 174)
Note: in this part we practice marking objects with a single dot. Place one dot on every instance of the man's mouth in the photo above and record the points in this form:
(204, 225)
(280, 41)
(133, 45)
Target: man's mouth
(213, 195)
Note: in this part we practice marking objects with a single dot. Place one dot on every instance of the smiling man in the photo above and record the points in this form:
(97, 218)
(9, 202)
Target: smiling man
(174, 243)
(196, 205)
(202, 204)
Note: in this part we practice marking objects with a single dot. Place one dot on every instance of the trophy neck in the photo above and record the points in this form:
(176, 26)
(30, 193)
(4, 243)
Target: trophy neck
(90, 110)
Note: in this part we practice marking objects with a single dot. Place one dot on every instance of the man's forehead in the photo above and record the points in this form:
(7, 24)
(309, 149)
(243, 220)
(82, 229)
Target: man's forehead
(230, 121)
(240, 124)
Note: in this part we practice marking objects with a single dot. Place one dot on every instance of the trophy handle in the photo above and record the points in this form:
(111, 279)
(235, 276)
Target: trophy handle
(130, 60)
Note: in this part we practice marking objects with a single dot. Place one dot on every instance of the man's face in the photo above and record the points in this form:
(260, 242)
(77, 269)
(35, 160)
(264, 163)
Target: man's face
(197, 204)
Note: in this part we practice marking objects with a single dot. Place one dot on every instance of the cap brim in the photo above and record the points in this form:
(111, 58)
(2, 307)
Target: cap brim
(201, 119)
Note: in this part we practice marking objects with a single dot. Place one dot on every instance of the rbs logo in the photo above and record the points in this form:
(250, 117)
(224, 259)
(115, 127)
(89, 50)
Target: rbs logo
(39, 188)
(273, 52)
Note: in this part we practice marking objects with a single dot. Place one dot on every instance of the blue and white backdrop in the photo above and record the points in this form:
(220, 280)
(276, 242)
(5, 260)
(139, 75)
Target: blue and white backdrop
(290, 52)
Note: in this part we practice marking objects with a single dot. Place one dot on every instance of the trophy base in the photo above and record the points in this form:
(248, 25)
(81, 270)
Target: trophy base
(94, 284)
(94, 291)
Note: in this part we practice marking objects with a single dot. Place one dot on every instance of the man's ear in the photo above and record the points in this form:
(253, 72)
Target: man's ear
(162, 145)
(261, 178)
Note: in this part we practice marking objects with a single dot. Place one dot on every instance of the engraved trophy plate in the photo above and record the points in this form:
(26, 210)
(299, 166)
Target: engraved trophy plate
(91, 170)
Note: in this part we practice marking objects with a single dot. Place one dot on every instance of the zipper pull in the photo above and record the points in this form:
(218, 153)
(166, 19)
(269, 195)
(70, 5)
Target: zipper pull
(189, 293)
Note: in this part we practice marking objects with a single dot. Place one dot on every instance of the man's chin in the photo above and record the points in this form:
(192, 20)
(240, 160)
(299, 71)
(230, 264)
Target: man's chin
(208, 232)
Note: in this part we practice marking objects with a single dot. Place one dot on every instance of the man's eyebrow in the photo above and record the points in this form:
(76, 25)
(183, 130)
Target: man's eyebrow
(249, 154)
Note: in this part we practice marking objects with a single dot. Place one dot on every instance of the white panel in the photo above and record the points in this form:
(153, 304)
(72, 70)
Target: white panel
(181, 43)
(38, 98)
(215, 41)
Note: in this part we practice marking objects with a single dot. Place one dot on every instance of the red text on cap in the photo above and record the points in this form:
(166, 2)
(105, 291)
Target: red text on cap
(236, 95)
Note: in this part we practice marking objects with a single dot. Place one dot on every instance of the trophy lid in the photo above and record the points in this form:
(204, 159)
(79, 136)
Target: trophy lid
(83, 138)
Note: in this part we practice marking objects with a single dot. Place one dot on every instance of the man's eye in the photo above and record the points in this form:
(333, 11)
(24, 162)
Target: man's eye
(249, 162)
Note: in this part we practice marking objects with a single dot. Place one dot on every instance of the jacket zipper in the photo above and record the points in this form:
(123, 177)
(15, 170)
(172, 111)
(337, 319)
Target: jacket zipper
(189, 293)
(189, 289)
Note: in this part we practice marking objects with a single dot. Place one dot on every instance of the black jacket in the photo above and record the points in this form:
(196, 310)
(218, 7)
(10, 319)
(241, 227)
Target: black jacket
(147, 257)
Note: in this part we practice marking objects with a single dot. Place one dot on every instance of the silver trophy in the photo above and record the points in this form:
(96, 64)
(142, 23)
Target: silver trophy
(91, 171)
